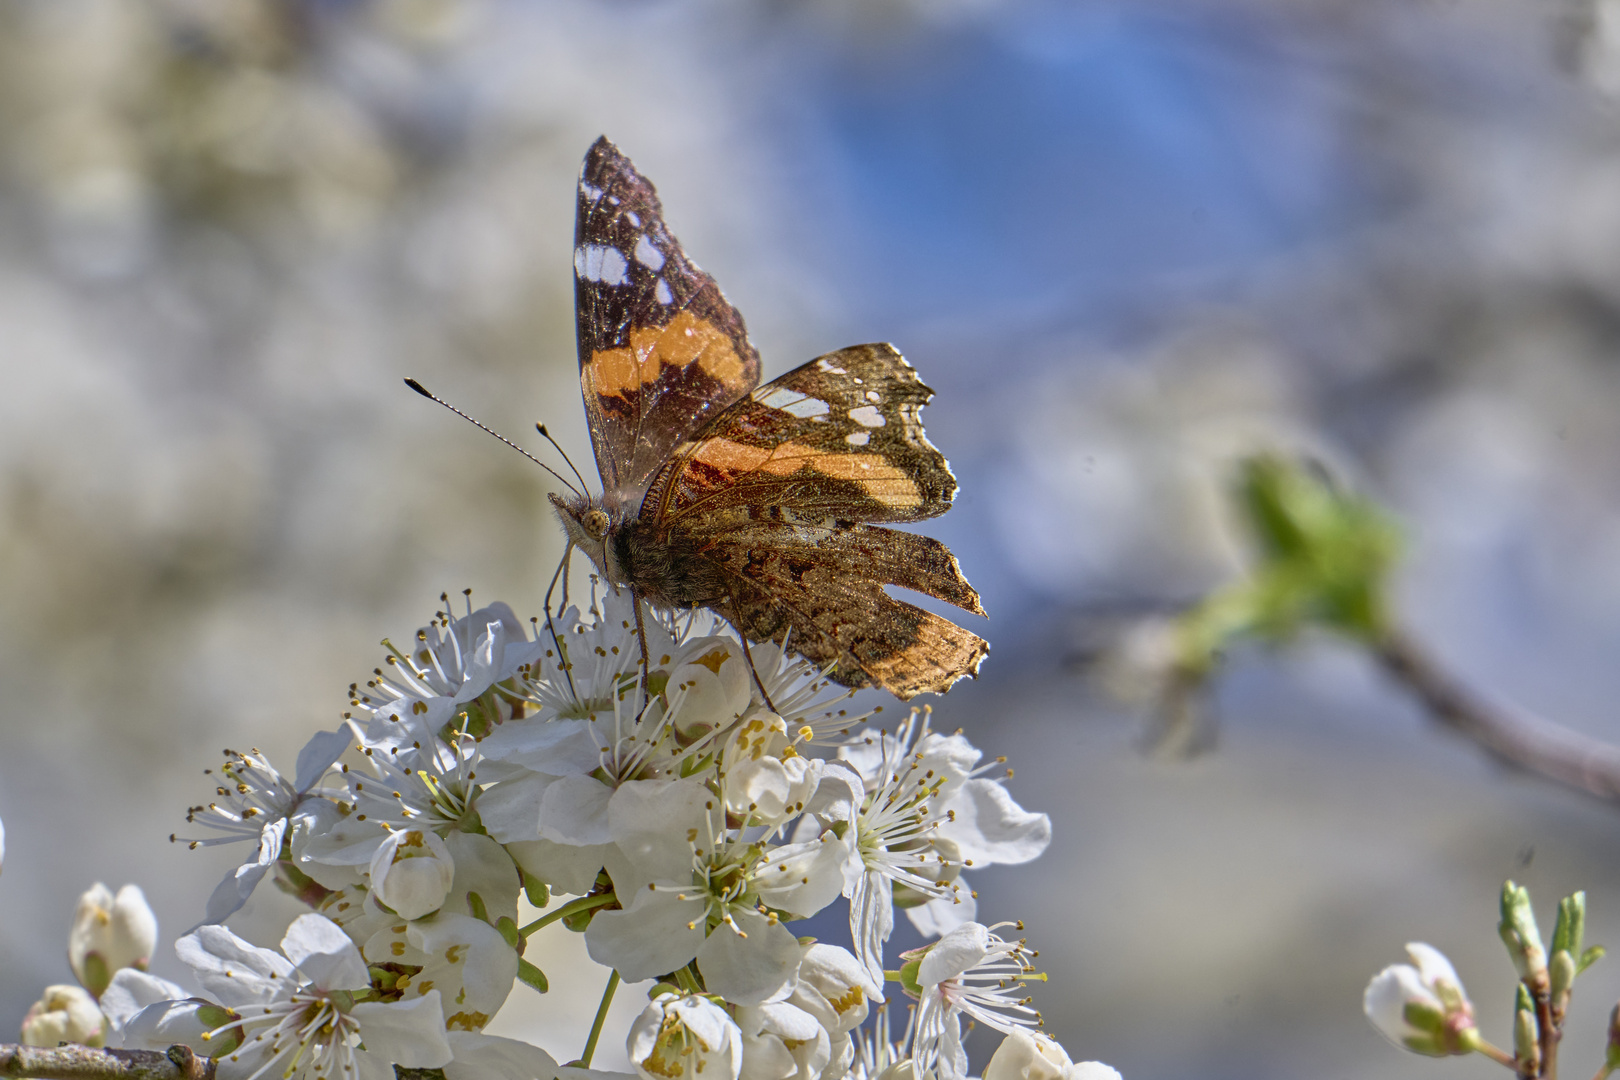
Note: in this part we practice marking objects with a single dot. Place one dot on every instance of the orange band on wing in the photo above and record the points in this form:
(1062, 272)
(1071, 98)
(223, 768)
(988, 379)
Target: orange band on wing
(685, 341)
(882, 481)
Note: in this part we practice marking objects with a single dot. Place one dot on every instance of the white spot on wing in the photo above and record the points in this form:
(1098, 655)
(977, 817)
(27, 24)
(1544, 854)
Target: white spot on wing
(635, 218)
(649, 256)
(790, 401)
(591, 193)
(858, 438)
(867, 416)
(873, 396)
(830, 368)
(597, 262)
(662, 292)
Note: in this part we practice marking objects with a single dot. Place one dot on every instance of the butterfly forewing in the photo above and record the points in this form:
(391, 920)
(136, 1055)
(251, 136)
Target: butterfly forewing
(661, 352)
(775, 493)
(838, 438)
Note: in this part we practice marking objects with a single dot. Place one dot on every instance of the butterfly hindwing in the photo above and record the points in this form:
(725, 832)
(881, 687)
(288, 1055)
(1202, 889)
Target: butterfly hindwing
(661, 352)
(826, 598)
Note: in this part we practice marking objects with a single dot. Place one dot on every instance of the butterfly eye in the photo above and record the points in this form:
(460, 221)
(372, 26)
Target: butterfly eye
(595, 523)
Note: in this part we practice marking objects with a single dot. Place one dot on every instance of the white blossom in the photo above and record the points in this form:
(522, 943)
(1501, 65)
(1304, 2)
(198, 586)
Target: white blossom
(458, 674)
(110, 932)
(257, 803)
(925, 813)
(461, 962)
(970, 970)
(298, 1012)
(685, 1036)
(1424, 1008)
(65, 1013)
(691, 890)
(836, 989)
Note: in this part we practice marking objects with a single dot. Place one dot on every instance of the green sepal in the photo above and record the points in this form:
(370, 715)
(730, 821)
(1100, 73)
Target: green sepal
(213, 1017)
(509, 931)
(535, 890)
(1424, 1017)
(659, 989)
(579, 920)
(96, 977)
(1591, 956)
(908, 977)
(475, 903)
(532, 976)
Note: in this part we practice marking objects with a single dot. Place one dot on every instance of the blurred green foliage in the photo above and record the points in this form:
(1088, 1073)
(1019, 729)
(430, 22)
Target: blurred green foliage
(1322, 557)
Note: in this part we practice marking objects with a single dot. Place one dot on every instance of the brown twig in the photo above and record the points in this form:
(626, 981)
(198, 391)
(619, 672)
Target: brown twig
(70, 1062)
(1512, 736)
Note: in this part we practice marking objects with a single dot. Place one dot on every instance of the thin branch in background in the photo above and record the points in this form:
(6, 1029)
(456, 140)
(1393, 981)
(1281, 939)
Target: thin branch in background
(1513, 736)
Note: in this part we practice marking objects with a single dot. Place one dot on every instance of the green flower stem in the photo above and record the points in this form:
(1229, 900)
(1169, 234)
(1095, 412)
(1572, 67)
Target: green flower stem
(1496, 1054)
(601, 1018)
(573, 907)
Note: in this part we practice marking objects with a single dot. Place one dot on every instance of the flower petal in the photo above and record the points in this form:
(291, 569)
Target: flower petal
(320, 949)
(490, 1057)
(408, 1032)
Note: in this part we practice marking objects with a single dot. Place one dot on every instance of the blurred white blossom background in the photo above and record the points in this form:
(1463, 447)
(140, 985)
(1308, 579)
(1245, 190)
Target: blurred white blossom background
(1125, 242)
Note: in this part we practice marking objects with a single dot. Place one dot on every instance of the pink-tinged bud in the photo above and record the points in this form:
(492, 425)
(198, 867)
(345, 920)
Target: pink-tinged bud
(65, 1014)
(110, 933)
(1424, 1008)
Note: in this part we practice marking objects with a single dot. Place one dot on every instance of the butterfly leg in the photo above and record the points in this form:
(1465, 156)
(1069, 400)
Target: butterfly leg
(754, 671)
(641, 636)
(562, 653)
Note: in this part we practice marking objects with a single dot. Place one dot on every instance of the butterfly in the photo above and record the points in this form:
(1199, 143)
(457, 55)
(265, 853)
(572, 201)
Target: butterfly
(760, 503)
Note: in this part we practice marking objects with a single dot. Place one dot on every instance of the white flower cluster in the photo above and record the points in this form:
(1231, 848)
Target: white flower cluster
(693, 811)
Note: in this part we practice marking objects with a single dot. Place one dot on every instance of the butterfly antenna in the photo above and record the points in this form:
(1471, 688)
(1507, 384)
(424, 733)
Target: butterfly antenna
(425, 392)
(546, 435)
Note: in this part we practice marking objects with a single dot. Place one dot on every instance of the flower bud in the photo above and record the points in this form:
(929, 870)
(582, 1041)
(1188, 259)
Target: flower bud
(65, 1014)
(109, 933)
(1526, 1034)
(685, 1036)
(1026, 1055)
(412, 872)
(1424, 1008)
(1521, 936)
(1091, 1070)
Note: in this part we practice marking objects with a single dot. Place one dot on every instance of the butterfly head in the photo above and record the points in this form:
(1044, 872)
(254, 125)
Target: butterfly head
(589, 524)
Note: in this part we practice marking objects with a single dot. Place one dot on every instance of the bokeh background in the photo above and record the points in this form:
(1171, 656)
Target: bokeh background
(1125, 241)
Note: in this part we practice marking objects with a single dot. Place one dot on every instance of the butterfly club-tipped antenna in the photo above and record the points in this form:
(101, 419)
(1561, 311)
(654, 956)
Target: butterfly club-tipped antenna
(431, 396)
(555, 445)
(562, 565)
